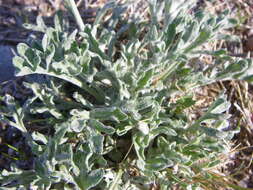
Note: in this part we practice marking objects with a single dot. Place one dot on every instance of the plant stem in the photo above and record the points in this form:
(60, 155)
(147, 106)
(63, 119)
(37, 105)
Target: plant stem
(71, 5)
(116, 180)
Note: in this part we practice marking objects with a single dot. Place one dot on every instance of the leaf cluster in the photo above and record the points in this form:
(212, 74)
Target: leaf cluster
(107, 99)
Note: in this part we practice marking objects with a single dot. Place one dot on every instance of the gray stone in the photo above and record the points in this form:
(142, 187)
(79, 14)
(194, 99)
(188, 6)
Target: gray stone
(6, 67)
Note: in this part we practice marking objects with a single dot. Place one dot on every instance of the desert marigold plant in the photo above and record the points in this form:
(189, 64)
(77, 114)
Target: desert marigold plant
(104, 100)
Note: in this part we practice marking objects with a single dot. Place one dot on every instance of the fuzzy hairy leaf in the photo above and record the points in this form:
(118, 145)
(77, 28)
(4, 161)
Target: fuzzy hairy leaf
(114, 99)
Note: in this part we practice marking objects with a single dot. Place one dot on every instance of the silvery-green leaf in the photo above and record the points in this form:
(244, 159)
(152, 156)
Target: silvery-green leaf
(101, 127)
(22, 48)
(40, 23)
(83, 114)
(106, 113)
(143, 127)
(220, 105)
(33, 27)
(157, 164)
(170, 33)
(17, 114)
(229, 38)
(120, 115)
(96, 143)
(110, 76)
(140, 143)
(39, 137)
(144, 102)
(44, 42)
(61, 130)
(204, 36)
(123, 129)
(103, 11)
(82, 100)
(23, 177)
(18, 62)
(95, 47)
(234, 70)
(77, 125)
(70, 43)
(43, 109)
(163, 130)
(145, 79)
(189, 31)
(82, 160)
(58, 21)
(213, 132)
(90, 179)
(131, 78)
(50, 54)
